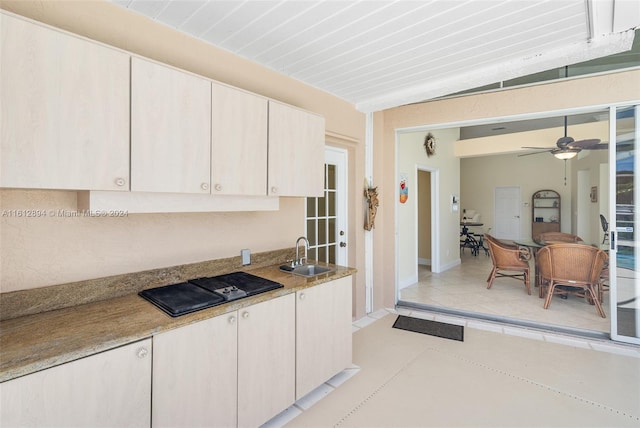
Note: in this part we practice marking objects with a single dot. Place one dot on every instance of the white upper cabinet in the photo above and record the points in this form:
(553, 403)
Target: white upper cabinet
(64, 110)
(238, 142)
(170, 129)
(296, 151)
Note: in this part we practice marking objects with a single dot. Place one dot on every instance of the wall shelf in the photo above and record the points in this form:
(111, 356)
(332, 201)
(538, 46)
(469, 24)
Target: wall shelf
(545, 212)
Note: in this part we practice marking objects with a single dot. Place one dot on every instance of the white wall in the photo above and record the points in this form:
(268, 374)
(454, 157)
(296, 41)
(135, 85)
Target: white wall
(593, 166)
(411, 155)
(481, 175)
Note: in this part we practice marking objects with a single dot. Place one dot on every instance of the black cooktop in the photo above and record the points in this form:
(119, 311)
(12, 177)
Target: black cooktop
(201, 293)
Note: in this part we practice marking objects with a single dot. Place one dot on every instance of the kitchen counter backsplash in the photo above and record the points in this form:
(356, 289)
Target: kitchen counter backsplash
(33, 301)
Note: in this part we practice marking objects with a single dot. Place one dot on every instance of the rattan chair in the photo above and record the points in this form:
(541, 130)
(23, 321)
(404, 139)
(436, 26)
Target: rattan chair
(575, 268)
(558, 237)
(508, 259)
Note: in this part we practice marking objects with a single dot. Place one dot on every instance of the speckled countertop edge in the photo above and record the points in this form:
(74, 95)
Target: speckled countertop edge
(36, 342)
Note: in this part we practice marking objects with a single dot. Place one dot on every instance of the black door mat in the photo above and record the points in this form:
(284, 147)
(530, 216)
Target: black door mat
(432, 328)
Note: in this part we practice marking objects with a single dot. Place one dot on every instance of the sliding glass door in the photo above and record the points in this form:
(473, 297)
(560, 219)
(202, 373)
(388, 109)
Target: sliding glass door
(624, 263)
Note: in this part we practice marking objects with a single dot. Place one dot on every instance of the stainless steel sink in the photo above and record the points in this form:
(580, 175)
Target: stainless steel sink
(311, 270)
(308, 270)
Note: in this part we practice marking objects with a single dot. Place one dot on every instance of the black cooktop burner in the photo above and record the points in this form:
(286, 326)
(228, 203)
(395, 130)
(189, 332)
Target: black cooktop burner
(244, 281)
(202, 293)
(180, 299)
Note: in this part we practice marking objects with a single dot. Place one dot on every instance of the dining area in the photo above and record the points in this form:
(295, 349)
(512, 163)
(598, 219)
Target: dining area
(556, 264)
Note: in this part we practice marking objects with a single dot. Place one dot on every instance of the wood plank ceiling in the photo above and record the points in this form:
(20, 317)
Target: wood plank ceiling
(381, 54)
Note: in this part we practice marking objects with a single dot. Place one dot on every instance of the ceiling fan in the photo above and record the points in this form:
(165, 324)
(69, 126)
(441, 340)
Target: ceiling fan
(567, 148)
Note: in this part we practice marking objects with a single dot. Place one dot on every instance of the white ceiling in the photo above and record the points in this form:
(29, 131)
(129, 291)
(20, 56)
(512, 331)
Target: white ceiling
(381, 54)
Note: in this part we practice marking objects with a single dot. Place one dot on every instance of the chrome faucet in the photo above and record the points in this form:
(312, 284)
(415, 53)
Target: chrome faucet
(299, 260)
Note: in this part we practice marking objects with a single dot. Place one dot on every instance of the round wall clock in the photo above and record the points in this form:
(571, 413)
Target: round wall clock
(430, 144)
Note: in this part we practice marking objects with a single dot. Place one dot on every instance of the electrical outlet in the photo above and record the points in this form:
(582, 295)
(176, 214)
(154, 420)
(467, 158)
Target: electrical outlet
(246, 257)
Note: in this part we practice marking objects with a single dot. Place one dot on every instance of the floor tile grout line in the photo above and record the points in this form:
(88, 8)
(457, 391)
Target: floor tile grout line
(378, 389)
(538, 384)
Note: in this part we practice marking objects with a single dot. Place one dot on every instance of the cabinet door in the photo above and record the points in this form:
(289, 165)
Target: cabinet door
(110, 389)
(296, 152)
(170, 129)
(266, 360)
(323, 333)
(64, 110)
(238, 142)
(195, 374)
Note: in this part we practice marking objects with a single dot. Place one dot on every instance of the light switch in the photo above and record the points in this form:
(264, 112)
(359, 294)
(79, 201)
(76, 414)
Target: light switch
(246, 257)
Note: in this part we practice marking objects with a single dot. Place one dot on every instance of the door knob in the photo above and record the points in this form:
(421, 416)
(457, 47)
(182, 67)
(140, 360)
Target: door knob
(343, 244)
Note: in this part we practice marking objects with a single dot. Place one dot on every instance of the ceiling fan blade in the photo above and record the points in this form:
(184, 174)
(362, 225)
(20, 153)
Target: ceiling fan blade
(601, 146)
(585, 144)
(534, 153)
(538, 148)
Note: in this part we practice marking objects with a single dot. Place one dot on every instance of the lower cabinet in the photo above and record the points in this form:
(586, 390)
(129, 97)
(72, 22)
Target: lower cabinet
(110, 389)
(237, 369)
(195, 374)
(266, 360)
(233, 370)
(323, 333)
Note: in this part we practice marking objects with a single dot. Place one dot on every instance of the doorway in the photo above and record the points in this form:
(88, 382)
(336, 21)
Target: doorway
(424, 218)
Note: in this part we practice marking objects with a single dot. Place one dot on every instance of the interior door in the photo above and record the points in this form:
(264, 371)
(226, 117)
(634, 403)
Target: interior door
(624, 265)
(506, 223)
(326, 225)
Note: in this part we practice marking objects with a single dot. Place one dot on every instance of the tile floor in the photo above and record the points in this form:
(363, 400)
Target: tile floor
(464, 288)
(499, 376)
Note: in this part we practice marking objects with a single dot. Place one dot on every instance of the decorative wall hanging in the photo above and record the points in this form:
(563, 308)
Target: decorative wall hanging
(404, 189)
(430, 144)
(371, 195)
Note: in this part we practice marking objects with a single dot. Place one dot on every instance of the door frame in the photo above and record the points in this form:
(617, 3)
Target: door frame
(613, 227)
(435, 217)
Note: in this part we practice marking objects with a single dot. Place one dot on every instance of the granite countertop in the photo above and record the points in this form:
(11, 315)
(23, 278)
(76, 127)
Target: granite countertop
(36, 342)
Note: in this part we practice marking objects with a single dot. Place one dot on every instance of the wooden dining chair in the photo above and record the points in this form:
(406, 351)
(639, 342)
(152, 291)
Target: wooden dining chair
(508, 261)
(576, 268)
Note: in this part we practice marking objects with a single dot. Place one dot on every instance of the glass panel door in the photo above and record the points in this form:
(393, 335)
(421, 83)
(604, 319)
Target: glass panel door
(326, 216)
(624, 264)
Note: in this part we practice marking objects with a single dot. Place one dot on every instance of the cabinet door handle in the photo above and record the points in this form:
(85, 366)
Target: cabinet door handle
(142, 352)
(245, 315)
(204, 186)
(274, 190)
(120, 181)
(302, 296)
(232, 319)
(218, 187)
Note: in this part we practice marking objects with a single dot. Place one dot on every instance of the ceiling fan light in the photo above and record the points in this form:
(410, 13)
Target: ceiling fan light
(565, 154)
